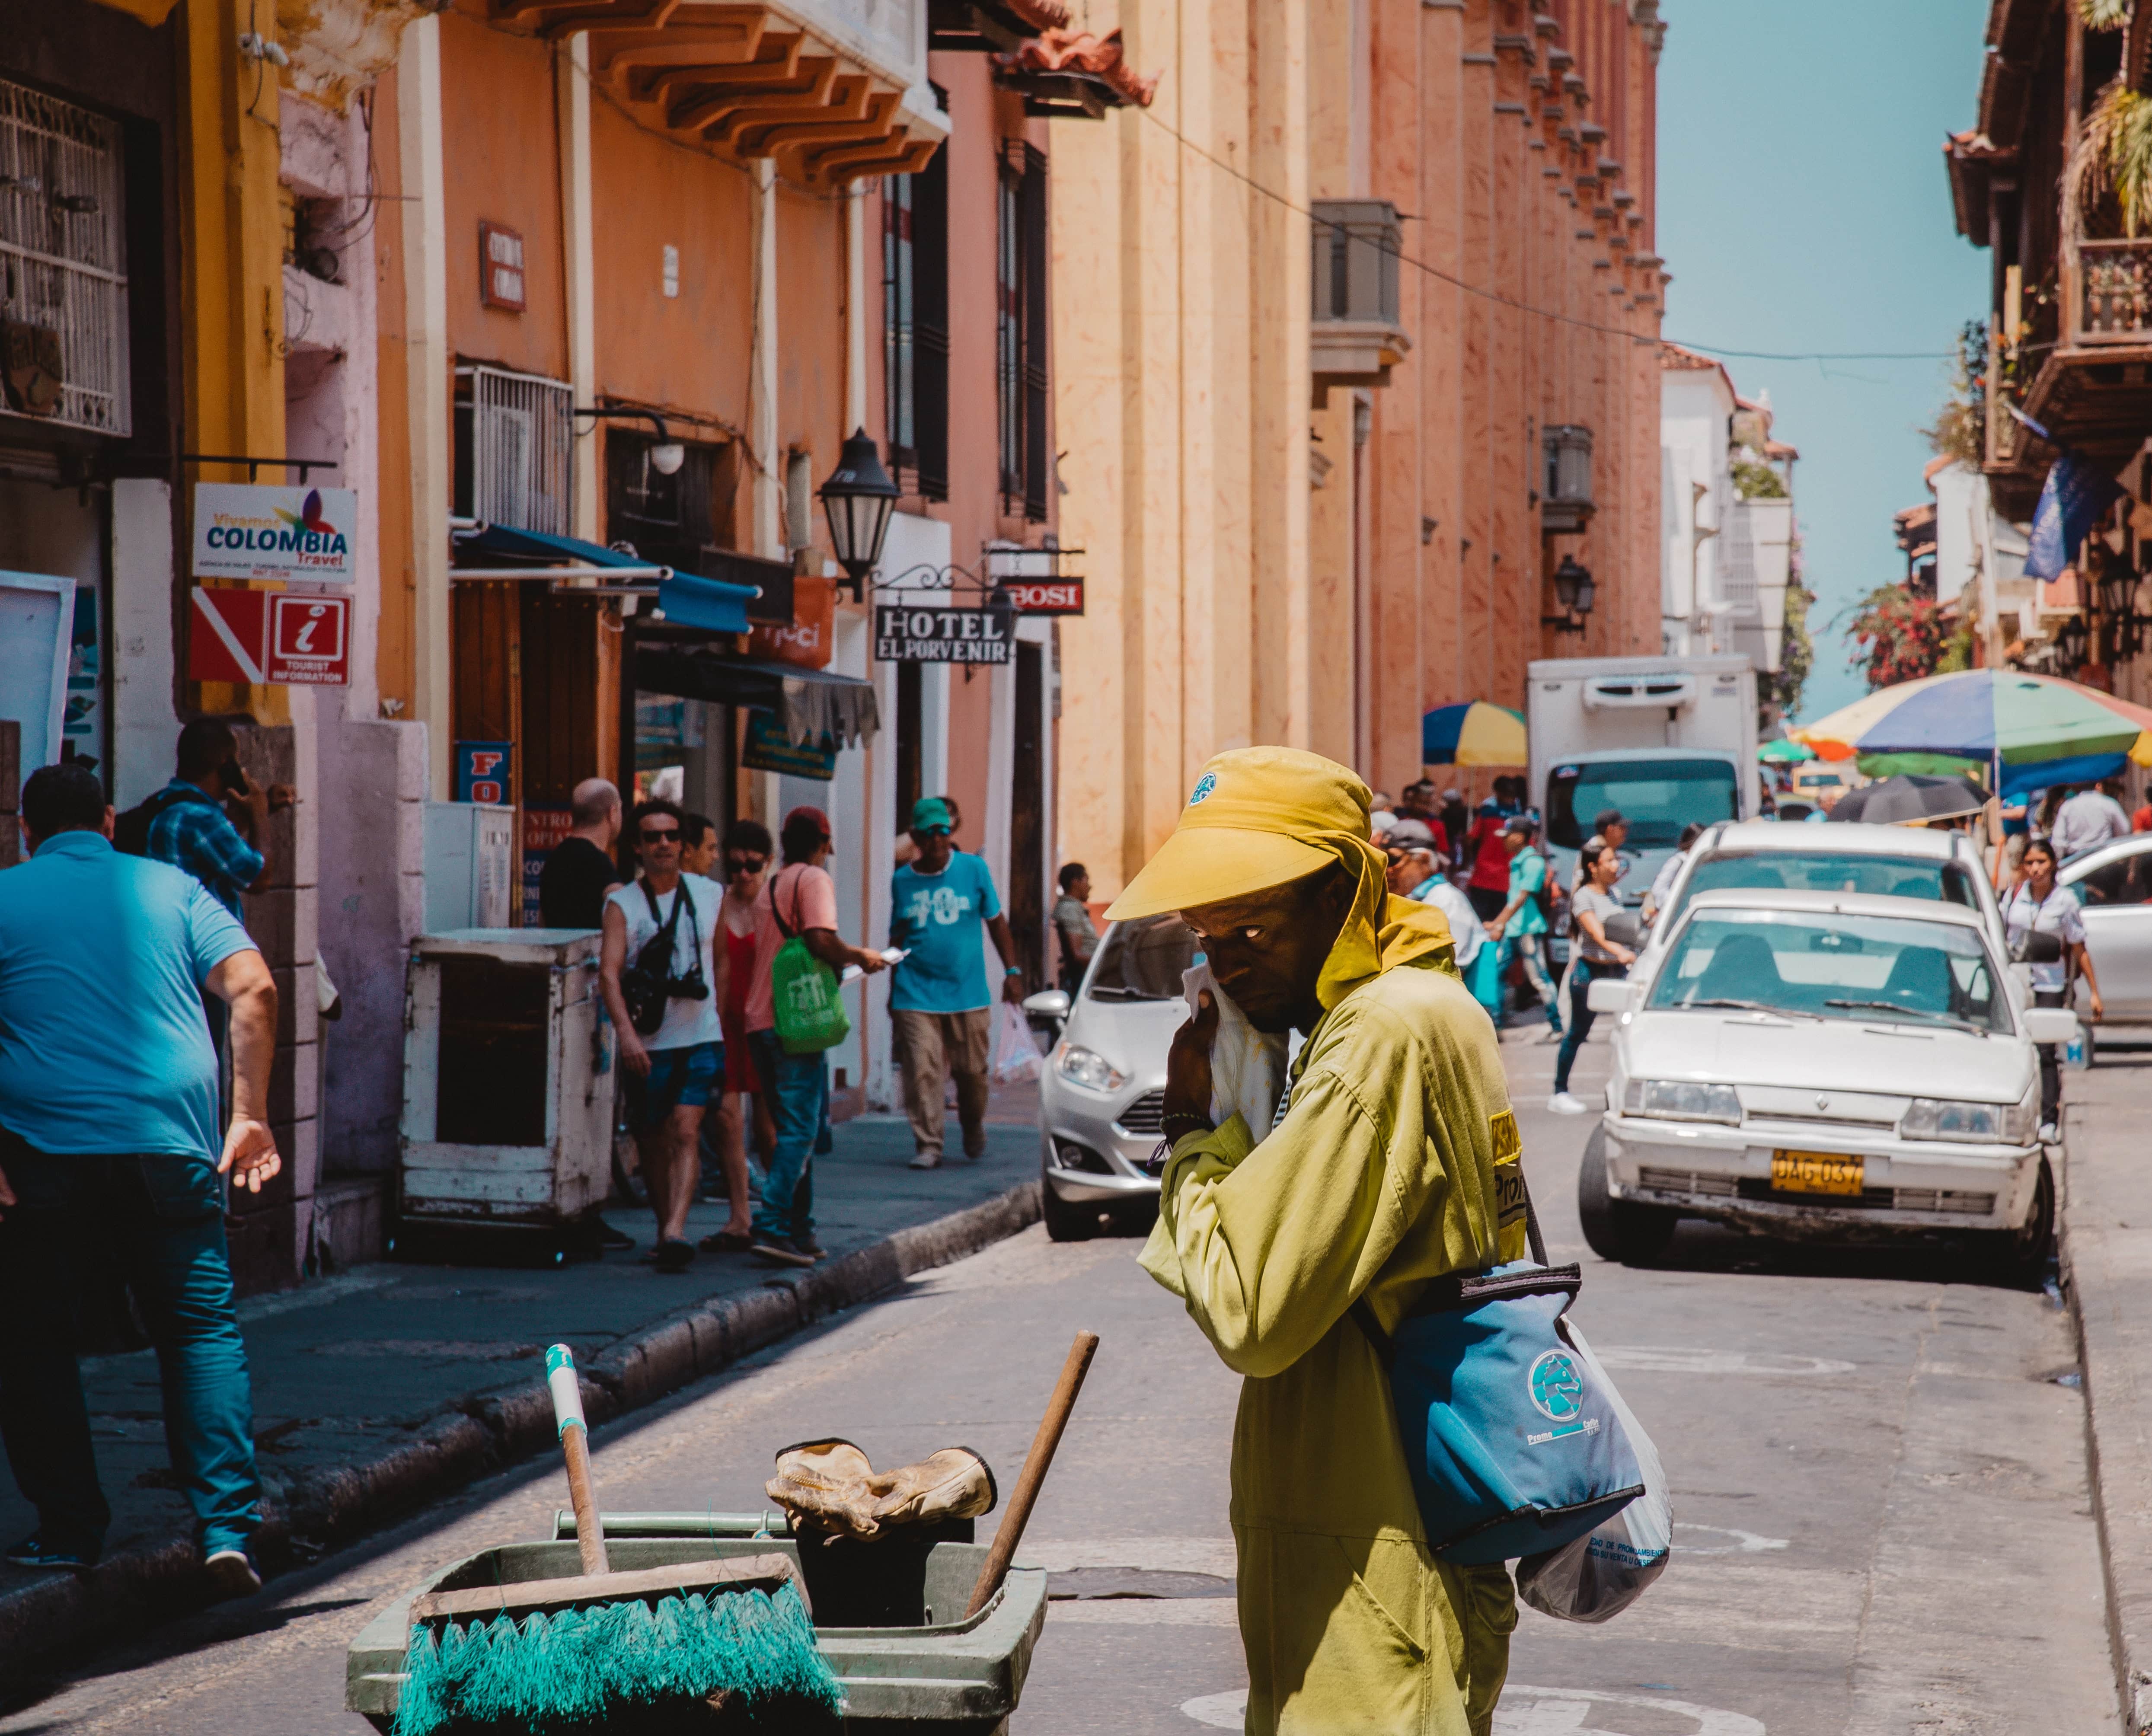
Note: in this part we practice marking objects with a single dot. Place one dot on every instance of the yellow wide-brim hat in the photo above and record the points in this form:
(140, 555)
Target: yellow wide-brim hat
(1257, 818)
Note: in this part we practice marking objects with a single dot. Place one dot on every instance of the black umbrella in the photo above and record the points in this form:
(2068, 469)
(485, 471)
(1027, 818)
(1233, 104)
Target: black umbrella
(1911, 796)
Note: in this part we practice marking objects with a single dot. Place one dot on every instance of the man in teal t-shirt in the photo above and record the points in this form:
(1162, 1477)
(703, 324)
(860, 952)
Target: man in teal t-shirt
(939, 902)
(1521, 927)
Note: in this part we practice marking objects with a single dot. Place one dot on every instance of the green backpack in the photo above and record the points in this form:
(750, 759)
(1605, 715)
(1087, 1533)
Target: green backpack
(810, 1015)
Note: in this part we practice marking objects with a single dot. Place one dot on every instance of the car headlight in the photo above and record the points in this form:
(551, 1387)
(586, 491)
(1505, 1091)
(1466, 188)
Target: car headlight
(1972, 1124)
(1680, 1100)
(1089, 1068)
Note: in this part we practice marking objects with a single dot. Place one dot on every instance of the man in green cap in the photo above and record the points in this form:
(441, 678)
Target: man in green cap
(1392, 1160)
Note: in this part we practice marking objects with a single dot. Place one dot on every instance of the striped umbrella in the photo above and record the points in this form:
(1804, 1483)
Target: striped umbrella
(2026, 732)
(1473, 733)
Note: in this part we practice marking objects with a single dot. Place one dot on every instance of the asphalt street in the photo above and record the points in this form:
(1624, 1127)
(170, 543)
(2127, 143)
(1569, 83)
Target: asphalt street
(1879, 1478)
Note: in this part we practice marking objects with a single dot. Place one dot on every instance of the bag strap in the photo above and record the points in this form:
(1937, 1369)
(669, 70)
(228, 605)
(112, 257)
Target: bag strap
(784, 928)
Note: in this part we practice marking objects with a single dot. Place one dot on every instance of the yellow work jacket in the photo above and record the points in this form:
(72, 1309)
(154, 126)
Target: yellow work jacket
(1382, 1174)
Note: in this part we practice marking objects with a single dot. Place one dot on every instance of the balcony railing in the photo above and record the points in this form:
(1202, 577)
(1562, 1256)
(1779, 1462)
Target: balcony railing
(1356, 336)
(2116, 302)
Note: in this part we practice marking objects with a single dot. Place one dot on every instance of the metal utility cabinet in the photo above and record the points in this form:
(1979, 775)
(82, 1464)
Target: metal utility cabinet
(508, 1081)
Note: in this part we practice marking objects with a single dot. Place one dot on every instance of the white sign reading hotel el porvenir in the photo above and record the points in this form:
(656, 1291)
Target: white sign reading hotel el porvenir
(308, 536)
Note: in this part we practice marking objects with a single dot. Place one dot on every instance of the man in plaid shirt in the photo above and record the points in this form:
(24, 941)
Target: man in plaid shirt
(191, 829)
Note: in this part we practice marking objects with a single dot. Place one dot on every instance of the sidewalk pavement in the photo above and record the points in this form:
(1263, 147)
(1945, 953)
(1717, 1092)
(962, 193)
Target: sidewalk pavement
(2107, 1266)
(390, 1385)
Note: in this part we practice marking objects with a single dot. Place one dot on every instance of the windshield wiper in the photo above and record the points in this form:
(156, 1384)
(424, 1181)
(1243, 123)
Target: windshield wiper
(1107, 991)
(1913, 1012)
(1750, 1006)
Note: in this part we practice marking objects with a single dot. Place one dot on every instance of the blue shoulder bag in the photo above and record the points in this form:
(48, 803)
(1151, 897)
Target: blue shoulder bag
(1514, 1447)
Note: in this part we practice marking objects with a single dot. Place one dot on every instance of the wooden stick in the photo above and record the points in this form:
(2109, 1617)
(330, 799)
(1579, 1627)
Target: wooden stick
(1035, 1463)
(590, 1533)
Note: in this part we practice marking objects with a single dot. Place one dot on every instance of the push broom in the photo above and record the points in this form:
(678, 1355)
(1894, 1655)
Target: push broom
(551, 1655)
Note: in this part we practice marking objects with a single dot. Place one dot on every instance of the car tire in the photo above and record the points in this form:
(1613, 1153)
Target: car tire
(1618, 1230)
(2020, 1256)
(1065, 1222)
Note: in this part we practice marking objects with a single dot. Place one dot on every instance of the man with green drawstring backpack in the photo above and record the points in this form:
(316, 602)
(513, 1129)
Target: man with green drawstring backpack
(791, 1026)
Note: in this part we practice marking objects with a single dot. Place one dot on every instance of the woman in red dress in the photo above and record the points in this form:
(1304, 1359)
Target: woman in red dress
(747, 852)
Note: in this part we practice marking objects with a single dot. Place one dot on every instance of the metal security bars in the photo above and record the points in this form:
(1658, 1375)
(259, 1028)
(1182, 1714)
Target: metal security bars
(514, 449)
(63, 264)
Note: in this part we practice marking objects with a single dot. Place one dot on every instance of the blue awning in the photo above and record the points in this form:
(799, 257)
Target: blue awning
(688, 599)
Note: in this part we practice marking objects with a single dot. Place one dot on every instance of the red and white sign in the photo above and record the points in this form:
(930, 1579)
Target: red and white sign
(1046, 596)
(287, 638)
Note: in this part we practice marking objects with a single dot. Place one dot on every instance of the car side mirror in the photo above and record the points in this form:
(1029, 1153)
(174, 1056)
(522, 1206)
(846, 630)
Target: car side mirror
(1047, 1004)
(1624, 930)
(1607, 994)
(2038, 948)
(2051, 1024)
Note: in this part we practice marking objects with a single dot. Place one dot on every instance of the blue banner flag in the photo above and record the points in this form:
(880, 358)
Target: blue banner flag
(2077, 493)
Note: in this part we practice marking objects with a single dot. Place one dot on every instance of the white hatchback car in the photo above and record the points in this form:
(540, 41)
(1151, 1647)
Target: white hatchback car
(1825, 1064)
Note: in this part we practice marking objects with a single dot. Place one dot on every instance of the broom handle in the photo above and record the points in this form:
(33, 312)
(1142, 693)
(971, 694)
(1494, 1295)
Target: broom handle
(575, 1447)
(1036, 1463)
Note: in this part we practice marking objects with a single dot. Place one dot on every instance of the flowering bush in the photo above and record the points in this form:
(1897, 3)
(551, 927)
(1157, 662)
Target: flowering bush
(1901, 637)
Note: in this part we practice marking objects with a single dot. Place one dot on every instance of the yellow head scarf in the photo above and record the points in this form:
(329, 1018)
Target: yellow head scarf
(1259, 817)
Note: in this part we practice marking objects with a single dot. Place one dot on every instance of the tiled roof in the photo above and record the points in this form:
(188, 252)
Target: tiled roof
(1100, 58)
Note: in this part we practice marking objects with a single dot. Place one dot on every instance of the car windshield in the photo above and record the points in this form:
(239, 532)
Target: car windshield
(1658, 797)
(1823, 871)
(1890, 969)
(1142, 960)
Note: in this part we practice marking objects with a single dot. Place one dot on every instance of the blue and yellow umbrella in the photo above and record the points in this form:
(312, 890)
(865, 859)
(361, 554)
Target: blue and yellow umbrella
(1473, 733)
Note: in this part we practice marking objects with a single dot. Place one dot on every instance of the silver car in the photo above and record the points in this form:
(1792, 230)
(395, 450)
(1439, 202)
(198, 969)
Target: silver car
(2114, 883)
(1103, 1088)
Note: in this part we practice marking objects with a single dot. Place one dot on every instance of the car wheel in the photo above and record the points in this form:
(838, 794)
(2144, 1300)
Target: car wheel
(2020, 1256)
(1136, 1220)
(1618, 1229)
(1065, 1222)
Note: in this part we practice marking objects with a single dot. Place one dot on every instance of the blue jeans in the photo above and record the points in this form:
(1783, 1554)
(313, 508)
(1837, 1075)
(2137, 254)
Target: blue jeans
(1580, 1015)
(799, 1089)
(160, 1218)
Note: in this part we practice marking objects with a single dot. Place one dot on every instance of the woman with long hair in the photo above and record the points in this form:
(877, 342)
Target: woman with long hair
(2036, 904)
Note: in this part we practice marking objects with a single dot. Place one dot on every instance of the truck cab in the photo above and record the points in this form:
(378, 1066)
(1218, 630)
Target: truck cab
(1666, 741)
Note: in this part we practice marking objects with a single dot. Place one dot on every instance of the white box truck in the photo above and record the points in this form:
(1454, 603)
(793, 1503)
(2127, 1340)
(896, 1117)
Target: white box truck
(1664, 740)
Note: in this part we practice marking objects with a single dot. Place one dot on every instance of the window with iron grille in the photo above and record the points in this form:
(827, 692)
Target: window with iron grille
(1022, 349)
(915, 324)
(514, 449)
(63, 264)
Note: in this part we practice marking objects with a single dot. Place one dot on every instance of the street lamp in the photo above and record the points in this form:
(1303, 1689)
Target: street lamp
(1573, 587)
(857, 500)
(2071, 639)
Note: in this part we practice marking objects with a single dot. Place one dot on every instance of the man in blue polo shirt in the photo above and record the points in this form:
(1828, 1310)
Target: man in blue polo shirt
(941, 904)
(110, 1153)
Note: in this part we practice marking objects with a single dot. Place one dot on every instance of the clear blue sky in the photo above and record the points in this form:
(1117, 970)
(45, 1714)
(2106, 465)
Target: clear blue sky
(1803, 206)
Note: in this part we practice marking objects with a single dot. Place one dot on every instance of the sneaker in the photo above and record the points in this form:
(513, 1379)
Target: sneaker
(975, 1147)
(1568, 1102)
(926, 1159)
(232, 1573)
(33, 1552)
(2050, 1134)
(808, 1244)
(726, 1241)
(1552, 1033)
(609, 1237)
(673, 1256)
(780, 1251)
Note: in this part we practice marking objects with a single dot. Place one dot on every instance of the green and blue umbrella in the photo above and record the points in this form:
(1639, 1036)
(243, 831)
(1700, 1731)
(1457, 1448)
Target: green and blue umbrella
(2023, 732)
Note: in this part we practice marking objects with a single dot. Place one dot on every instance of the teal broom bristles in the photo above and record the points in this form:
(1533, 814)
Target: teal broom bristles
(551, 1671)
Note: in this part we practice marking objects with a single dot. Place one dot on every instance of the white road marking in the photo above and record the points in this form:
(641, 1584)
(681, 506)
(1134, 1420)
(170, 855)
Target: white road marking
(1743, 1543)
(1523, 1712)
(1144, 1612)
(1703, 1359)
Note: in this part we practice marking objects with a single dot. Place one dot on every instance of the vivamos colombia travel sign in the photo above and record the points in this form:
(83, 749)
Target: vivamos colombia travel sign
(305, 536)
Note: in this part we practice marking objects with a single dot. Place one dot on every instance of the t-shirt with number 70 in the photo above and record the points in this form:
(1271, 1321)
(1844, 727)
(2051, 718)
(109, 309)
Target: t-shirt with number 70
(941, 918)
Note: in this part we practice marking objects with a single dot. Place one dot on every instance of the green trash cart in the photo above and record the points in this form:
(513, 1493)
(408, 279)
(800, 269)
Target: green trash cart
(943, 1675)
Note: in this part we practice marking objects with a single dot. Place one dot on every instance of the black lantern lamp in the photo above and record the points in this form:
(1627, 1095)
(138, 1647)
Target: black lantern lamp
(2118, 589)
(2072, 640)
(1573, 587)
(857, 500)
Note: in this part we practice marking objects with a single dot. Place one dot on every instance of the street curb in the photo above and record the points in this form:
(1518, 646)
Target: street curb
(2133, 1684)
(482, 1431)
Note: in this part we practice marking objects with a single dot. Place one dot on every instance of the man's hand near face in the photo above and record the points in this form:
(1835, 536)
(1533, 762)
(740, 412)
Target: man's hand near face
(1188, 1086)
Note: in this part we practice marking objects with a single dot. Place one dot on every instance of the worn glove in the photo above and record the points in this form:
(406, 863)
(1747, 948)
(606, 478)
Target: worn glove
(823, 1485)
(952, 1483)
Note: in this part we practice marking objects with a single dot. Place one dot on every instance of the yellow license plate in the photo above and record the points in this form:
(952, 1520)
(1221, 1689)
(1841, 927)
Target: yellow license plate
(1816, 1172)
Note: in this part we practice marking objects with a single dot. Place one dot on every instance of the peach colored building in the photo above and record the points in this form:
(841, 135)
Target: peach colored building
(1357, 339)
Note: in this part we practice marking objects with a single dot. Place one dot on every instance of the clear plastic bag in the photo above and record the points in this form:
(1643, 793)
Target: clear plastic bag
(1601, 1573)
(1247, 1066)
(1015, 1055)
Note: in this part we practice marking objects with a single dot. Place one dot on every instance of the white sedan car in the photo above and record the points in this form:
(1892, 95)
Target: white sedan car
(1821, 1064)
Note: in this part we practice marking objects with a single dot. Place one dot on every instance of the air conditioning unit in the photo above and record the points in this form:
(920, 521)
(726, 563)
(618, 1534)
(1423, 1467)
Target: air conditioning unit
(1626, 692)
